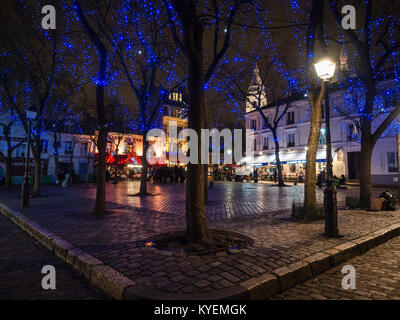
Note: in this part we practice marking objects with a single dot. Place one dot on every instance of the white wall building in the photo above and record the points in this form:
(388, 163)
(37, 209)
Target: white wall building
(293, 131)
(78, 146)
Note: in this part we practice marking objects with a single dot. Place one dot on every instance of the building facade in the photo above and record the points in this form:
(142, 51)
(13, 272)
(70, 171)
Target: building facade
(79, 150)
(293, 131)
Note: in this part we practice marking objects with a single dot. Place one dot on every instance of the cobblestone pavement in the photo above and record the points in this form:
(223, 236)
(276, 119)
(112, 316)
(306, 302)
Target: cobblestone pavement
(227, 199)
(21, 261)
(377, 277)
(260, 211)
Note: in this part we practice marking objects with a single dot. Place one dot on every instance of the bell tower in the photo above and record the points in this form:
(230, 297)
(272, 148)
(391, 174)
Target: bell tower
(256, 93)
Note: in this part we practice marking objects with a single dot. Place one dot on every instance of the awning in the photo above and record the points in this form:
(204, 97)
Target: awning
(122, 159)
(287, 157)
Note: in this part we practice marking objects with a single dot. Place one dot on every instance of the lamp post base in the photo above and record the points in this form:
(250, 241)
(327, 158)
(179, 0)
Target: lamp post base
(330, 211)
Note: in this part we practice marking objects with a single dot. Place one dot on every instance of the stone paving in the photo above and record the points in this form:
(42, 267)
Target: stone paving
(22, 259)
(377, 277)
(260, 211)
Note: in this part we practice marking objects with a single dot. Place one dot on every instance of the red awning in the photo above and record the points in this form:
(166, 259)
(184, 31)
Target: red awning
(122, 159)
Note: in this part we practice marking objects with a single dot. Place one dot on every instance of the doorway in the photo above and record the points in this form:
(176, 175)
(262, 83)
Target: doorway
(353, 160)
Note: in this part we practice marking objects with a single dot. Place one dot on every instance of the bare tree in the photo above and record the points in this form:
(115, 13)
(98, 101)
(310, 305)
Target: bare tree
(116, 139)
(268, 93)
(30, 73)
(377, 47)
(8, 121)
(315, 97)
(147, 61)
(197, 20)
(100, 204)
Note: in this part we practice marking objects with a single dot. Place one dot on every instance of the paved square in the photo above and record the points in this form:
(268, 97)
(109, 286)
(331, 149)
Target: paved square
(260, 211)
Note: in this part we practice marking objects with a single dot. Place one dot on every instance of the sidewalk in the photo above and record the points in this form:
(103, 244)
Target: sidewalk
(284, 252)
(377, 278)
(22, 259)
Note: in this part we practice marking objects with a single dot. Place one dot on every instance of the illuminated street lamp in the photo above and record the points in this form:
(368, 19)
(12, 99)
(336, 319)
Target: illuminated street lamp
(325, 69)
(31, 116)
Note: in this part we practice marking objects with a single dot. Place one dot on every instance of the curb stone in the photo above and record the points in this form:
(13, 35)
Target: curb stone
(117, 286)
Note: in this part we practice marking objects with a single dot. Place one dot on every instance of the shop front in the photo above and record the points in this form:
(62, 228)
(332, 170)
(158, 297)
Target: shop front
(293, 164)
(128, 165)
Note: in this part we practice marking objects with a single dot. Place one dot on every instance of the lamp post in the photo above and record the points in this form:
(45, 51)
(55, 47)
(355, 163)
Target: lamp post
(325, 68)
(30, 115)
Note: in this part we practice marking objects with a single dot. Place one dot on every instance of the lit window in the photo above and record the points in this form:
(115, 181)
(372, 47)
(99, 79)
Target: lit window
(352, 133)
(84, 149)
(290, 140)
(253, 124)
(20, 151)
(266, 143)
(44, 145)
(322, 137)
(290, 118)
(68, 147)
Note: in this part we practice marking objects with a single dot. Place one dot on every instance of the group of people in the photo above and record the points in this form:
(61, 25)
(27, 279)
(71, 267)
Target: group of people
(220, 174)
(173, 174)
(322, 179)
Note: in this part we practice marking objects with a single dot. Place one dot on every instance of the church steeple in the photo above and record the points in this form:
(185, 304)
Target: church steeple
(256, 92)
(256, 81)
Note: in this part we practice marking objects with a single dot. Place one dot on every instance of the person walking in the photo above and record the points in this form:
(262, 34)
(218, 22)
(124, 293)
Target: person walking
(301, 176)
(323, 177)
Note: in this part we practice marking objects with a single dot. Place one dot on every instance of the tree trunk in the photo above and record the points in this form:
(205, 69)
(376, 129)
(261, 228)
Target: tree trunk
(37, 176)
(143, 176)
(71, 166)
(398, 163)
(205, 166)
(8, 175)
(196, 223)
(37, 169)
(367, 146)
(205, 183)
(100, 205)
(281, 183)
(310, 198)
(87, 178)
(55, 146)
(116, 167)
(365, 173)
